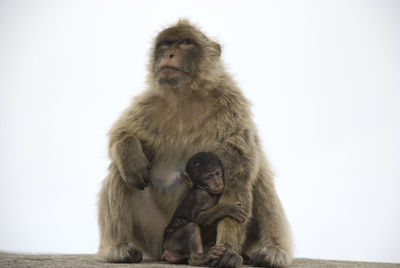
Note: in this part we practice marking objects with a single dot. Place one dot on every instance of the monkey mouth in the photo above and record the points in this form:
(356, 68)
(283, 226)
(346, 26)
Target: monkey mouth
(168, 67)
(216, 191)
(170, 75)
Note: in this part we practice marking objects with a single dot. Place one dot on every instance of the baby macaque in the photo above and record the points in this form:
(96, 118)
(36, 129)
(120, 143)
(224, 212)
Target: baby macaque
(191, 234)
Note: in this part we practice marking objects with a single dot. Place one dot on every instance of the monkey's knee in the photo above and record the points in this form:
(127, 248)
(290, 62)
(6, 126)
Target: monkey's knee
(115, 218)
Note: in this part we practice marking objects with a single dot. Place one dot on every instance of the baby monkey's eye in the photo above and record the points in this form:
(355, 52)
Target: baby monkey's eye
(207, 177)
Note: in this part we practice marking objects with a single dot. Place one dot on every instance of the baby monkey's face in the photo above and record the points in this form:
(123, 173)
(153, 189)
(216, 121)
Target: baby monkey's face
(212, 181)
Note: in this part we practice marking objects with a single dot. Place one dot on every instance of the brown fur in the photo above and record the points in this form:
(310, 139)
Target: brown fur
(166, 126)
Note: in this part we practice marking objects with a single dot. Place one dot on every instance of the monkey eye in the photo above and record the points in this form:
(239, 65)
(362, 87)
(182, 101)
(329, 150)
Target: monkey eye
(207, 177)
(186, 42)
(165, 44)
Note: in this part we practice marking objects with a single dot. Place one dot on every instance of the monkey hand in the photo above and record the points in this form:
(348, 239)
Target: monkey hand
(230, 259)
(138, 175)
(237, 211)
(217, 251)
(132, 163)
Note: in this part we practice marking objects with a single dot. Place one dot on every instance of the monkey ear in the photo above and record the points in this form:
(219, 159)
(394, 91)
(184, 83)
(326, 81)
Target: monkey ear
(217, 48)
(186, 178)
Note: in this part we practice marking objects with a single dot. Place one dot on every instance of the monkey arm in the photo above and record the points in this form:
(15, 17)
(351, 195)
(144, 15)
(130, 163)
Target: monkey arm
(209, 216)
(131, 161)
(219, 211)
(231, 232)
(239, 159)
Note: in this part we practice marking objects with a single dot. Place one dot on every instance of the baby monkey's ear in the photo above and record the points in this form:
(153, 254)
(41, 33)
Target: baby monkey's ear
(186, 178)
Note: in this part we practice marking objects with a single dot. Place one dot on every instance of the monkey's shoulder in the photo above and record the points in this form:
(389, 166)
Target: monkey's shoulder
(196, 197)
(203, 198)
(154, 119)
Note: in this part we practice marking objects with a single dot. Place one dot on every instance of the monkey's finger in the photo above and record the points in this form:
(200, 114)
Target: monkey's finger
(218, 253)
(243, 213)
(237, 204)
(221, 248)
(146, 174)
(239, 217)
(140, 183)
(214, 256)
(242, 209)
(236, 217)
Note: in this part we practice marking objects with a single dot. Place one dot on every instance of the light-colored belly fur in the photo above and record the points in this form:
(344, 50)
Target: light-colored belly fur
(160, 199)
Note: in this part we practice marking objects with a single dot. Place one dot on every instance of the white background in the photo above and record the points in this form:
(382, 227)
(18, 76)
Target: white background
(323, 77)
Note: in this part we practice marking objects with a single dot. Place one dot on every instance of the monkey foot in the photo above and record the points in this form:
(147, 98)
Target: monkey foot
(125, 253)
(230, 259)
(173, 257)
(271, 257)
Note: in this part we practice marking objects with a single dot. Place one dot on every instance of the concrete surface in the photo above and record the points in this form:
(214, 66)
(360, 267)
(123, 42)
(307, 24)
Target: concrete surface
(82, 260)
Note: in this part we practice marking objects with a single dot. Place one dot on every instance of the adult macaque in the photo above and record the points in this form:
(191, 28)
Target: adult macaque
(191, 105)
(194, 222)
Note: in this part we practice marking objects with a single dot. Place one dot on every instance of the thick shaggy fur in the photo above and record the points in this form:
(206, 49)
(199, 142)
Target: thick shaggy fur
(166, 126)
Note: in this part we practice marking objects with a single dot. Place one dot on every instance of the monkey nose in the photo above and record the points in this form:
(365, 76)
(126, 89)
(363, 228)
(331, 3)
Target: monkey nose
(171, 56)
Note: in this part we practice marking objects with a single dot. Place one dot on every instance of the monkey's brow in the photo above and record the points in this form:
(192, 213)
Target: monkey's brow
(164, 41)
(205, 174)
(176, 40)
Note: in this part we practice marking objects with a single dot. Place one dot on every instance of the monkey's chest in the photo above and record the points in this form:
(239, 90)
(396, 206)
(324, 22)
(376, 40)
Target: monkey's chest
(167, 187)
(168, 161)
(173, 137)
(181, 123)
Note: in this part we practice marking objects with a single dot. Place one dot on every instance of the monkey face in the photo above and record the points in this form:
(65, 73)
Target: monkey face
(205, 170)
(176, 57)
(182, 56)
(212, 181)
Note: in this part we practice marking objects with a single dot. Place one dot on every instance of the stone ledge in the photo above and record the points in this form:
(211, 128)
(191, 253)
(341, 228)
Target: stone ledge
(89, 261)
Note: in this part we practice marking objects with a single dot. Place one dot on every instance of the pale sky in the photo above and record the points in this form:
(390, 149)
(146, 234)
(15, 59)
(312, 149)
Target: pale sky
(323, 77)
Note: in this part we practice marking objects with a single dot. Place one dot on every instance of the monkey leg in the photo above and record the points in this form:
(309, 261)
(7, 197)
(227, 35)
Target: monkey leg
(185, 243)
(175, 245)
(115, 221)
(268, 240)
(129, 221)
(232, 233)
